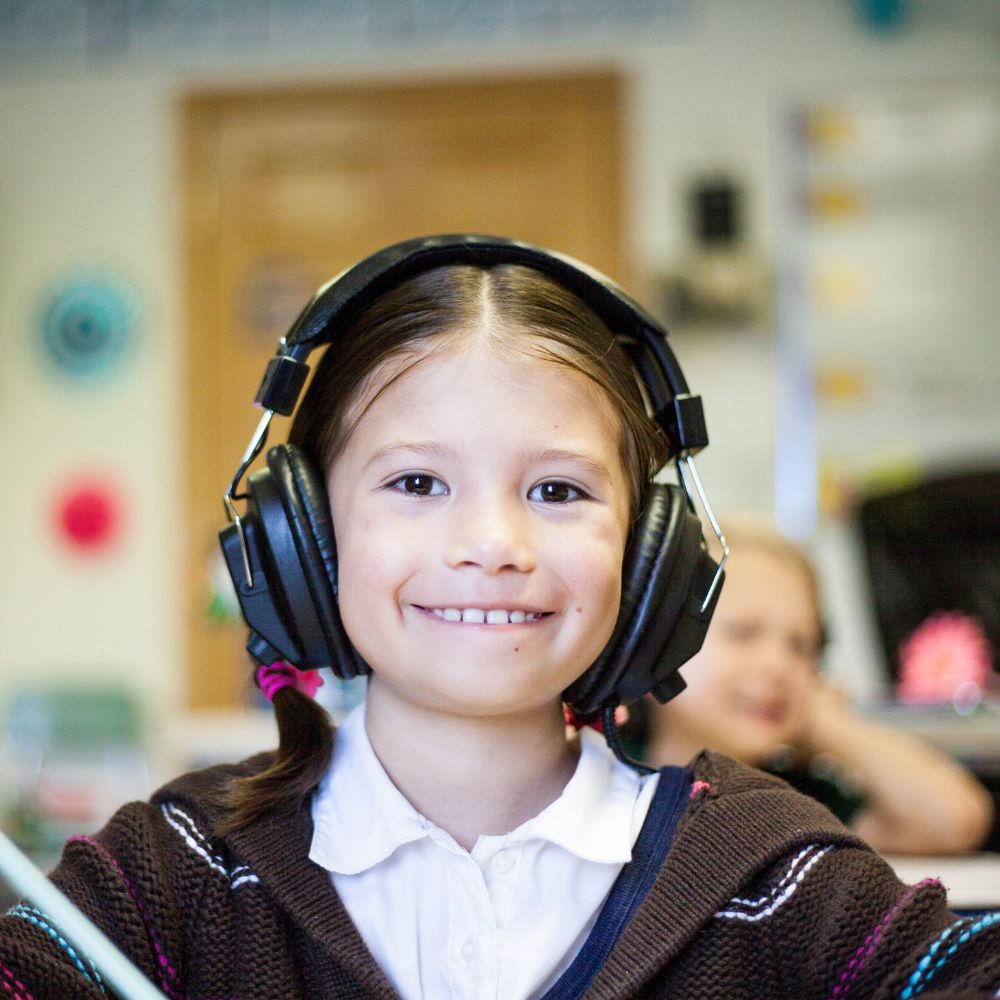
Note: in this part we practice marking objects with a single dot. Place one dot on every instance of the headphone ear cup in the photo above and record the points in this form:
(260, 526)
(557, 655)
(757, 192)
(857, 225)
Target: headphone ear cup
(294, 514)
(673, 617)
(666, 574)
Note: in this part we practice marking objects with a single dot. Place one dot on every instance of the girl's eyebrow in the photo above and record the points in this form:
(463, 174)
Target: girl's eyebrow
(431, 449)
(585, 460)
(443, 452)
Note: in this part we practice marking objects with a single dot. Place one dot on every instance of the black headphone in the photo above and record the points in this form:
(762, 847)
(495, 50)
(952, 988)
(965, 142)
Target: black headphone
(281, 552)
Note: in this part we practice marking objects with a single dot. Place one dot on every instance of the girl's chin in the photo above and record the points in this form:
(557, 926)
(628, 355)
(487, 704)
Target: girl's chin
(758, 743)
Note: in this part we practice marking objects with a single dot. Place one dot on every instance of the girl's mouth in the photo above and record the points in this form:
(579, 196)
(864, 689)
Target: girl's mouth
(768, 712)
(484, 616)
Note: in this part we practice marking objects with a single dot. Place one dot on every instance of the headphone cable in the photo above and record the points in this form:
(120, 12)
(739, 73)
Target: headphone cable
(613, 739)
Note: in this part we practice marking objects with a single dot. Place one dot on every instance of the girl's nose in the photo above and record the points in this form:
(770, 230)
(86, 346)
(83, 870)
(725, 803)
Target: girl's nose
(493, 538)
(776, 658)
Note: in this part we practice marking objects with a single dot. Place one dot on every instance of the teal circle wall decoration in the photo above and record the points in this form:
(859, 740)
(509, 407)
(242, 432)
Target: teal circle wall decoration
(90, 324)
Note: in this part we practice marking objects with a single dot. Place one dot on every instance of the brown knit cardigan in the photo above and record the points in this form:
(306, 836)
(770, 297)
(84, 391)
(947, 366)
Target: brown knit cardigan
(761, 895)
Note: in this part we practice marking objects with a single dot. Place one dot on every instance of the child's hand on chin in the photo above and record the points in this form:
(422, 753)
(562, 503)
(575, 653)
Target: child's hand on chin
(828, 716)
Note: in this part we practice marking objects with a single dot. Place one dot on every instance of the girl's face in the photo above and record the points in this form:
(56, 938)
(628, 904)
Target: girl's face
(748, 687)
(480, 513)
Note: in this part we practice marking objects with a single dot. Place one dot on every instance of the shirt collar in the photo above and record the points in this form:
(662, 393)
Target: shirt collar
(595, 818)
(378, 820)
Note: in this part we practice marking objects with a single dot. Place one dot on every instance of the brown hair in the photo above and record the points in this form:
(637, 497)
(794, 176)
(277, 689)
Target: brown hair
(507, 304)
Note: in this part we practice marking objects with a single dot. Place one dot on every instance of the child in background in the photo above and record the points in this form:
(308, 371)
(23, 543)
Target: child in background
(755, 693)
(487, 460)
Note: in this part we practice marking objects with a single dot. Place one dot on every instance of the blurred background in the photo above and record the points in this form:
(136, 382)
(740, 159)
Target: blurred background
(805, 191)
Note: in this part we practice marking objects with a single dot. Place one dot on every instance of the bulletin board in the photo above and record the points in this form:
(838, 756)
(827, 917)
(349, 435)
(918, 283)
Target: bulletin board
(889, 243)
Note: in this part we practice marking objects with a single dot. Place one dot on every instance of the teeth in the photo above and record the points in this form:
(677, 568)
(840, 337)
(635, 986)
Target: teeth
(477, 616)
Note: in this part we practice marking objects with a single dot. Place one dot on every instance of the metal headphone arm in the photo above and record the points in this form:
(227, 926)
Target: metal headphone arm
(686, 468)
(278, 393)
(681, 417)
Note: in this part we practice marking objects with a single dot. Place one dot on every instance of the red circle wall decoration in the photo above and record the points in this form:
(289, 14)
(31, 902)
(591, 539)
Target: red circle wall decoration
(89, 515)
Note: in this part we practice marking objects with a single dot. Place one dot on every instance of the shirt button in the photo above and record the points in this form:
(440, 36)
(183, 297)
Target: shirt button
(502, 862)
(468, 950)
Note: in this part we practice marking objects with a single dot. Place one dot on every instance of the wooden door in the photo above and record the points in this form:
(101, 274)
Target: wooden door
(284, 188)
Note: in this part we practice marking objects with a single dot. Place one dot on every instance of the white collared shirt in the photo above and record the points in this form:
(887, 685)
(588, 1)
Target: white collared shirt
(502, 922)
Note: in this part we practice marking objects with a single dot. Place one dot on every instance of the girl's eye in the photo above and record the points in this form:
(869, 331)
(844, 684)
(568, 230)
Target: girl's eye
(555, 491)
(418, 484)
(741, 631)
(803, 647)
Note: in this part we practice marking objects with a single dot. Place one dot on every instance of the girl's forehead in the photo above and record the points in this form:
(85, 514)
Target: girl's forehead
(757, 573)
(461, 361)
(750, 560)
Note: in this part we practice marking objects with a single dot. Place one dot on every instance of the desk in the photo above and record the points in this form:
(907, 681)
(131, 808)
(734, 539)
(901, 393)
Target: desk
(972, 880)
(973, 738)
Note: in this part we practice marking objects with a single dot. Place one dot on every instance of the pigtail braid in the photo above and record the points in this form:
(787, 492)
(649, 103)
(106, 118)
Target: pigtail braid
(305, 744)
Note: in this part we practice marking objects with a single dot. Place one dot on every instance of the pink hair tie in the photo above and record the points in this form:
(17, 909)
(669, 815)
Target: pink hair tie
(576, 722)
(281, 674)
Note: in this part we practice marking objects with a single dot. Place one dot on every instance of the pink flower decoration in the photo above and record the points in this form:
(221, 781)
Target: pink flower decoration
(947, 657)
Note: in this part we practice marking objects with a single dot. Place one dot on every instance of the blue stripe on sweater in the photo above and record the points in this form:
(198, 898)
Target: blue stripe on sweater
(41, 921)
(633, 882)
(960, 933)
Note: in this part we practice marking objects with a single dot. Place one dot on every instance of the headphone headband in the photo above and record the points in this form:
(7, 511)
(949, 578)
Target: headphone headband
(348, 294)
(337, 302)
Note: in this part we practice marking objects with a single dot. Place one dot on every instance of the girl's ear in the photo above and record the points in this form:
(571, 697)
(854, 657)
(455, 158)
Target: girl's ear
(290, 601)
(667, 603)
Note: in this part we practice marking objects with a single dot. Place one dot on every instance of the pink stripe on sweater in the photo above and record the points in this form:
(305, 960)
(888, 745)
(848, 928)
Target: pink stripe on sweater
(864, 951)
(164, 963)
(699, 786)
(18, 990)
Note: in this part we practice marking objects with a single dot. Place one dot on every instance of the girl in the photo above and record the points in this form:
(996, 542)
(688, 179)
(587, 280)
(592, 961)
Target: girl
(496, 548)
(755, 693)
